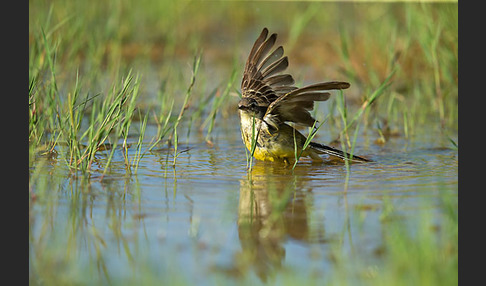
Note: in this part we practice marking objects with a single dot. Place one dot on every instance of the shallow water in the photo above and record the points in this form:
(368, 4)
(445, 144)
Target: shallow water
(210, 220)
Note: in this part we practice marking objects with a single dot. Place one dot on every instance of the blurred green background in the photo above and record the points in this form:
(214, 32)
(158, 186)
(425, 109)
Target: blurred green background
(357, 42)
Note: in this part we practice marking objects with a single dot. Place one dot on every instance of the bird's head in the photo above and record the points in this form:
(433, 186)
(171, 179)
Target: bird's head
(251, 107)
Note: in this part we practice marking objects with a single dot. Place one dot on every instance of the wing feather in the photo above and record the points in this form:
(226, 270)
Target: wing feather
(286, 106)
(263, 81)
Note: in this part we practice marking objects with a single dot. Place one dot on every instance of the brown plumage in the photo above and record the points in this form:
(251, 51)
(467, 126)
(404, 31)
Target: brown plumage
(269, 99)
(276, 92)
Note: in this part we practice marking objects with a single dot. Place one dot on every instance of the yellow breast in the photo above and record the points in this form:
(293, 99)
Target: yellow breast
(277, 146)
(261, 153)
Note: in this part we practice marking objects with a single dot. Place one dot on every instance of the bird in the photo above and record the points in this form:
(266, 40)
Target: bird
(269, 101)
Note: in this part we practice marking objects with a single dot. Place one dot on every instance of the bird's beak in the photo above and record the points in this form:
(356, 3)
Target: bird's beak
(242, 107)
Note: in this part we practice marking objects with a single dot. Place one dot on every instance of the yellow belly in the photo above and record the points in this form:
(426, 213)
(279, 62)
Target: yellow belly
(275, 146)
(267, 154)
(270, 147)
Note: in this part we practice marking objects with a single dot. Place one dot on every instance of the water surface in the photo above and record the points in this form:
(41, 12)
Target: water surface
(210, 220)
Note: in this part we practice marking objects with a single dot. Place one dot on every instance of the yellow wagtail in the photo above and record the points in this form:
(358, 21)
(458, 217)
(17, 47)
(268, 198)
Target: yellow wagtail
(269, 99)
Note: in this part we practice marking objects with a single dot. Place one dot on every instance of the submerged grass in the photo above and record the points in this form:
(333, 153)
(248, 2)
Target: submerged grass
(254, 141)
(313, 131)
(195, 68)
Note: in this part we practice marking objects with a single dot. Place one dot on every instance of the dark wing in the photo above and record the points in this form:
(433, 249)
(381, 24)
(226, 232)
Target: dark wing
(261, 78)
(263, 82)
(295, 105)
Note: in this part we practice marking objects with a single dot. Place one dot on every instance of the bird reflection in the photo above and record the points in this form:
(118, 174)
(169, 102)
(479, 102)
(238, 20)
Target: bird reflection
(272, 207)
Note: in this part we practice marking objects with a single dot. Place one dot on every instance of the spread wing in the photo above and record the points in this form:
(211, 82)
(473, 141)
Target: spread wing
(261, 78)
(295, 105)
(263, 81)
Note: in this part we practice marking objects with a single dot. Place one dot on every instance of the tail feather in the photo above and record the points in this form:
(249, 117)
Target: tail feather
(335, 152)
